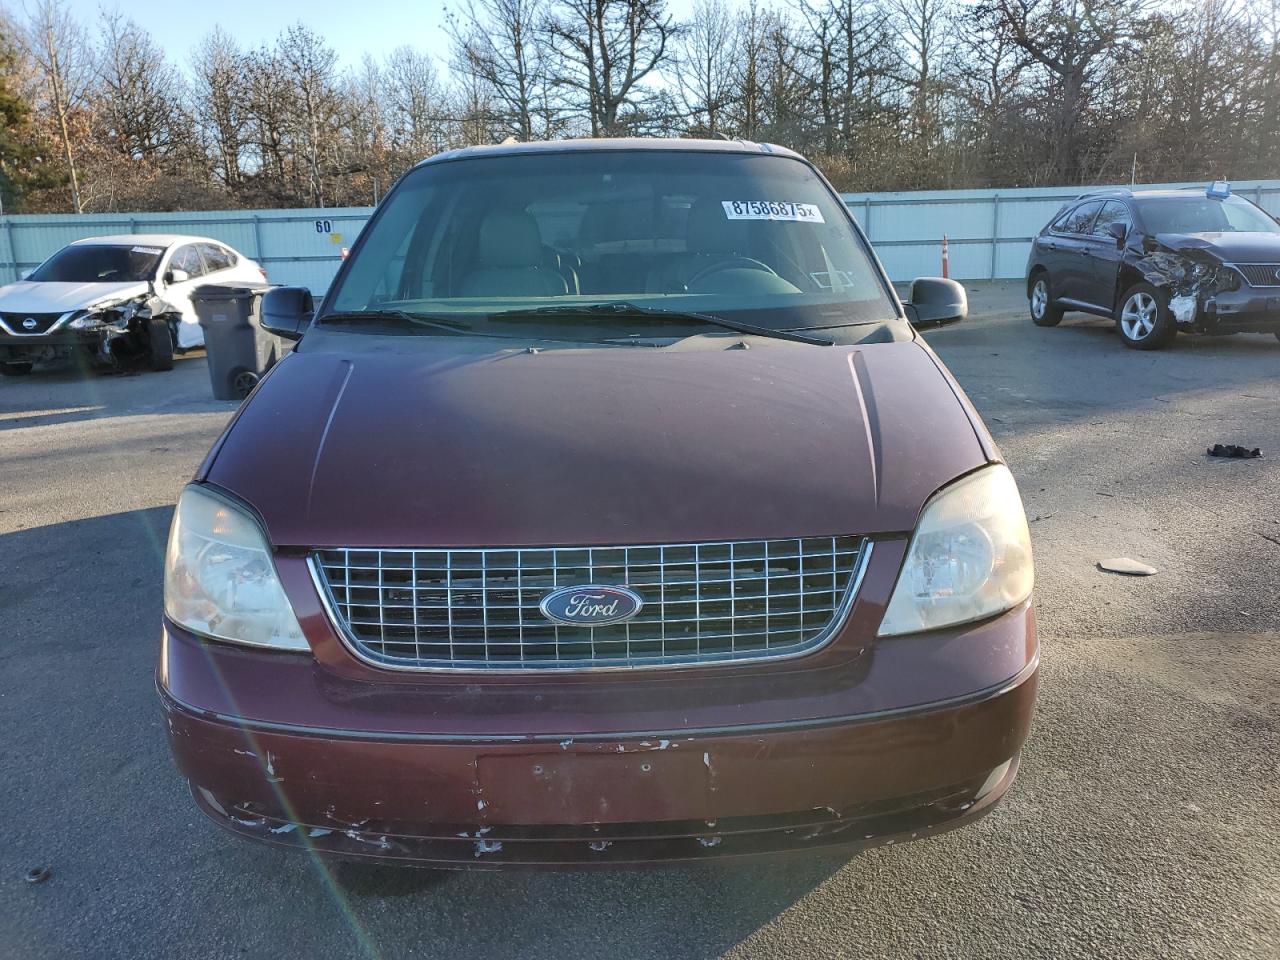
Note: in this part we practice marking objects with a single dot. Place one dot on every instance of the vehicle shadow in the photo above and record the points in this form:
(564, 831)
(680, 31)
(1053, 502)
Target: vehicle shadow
(89, 777)
(1017, 373)
(65, 395)
(676, 912)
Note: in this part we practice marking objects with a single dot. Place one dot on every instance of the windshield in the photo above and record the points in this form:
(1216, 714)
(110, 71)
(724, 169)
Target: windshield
(104, 263)
(758, 239)
(1204, 215)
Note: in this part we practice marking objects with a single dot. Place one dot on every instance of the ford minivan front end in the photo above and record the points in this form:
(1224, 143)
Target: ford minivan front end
(609, 511)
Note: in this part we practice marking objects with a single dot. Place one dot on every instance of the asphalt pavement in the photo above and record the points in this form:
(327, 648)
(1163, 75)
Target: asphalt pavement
(1145, 821)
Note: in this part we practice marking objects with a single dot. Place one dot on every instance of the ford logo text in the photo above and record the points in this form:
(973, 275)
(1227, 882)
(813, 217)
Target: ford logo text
(591, 606)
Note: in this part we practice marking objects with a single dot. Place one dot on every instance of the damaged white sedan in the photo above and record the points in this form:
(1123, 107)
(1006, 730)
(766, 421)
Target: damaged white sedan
(121, 302)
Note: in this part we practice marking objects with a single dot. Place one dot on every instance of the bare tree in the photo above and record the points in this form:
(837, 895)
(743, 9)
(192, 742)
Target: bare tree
(884, 94)
(604, 50)
(707, 54)
(1073, 41)
(219, 94)
(56, 42)
(310, 65)
(499, 44)
(922, 25)
(415, 100)
(473, 116)
(140, 112)
(1266, 95)
(745, 106)
(269, 108)
(991, 134)
(362, 155)
(787, 88)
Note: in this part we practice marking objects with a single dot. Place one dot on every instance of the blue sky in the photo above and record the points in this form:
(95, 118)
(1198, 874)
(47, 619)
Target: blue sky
(352, 27)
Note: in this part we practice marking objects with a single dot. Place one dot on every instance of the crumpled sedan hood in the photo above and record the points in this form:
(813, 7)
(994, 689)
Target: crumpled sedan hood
(33, 297)
(1227, 247)
(422, 443)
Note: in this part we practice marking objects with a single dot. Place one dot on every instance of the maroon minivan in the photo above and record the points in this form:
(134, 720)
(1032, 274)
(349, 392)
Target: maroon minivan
(609, 510)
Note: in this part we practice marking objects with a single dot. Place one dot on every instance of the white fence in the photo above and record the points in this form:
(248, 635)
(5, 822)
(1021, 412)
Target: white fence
(989, 231)
(301, 247)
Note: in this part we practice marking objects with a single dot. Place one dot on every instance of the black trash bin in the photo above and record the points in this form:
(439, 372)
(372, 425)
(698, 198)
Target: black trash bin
(239, 350)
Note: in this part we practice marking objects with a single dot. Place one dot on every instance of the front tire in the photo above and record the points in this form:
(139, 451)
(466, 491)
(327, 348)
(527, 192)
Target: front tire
(160, 342)
(1044, 313)
(1143, 319)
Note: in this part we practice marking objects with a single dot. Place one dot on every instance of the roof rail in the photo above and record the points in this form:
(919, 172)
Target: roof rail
(1107, 192)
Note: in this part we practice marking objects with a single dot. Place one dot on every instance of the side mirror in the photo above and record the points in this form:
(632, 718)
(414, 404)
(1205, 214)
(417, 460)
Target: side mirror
(936, 301)
(286, 311)
(1118, 232)
(176, 276)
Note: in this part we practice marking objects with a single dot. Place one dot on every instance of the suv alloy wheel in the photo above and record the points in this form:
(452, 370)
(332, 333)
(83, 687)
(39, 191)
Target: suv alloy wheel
(1143, 319)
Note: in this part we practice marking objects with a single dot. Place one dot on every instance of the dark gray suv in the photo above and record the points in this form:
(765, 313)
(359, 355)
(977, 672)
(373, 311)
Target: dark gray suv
(1159, 262)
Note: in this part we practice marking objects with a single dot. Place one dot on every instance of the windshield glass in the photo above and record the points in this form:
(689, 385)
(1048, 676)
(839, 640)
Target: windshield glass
(758, 239)
(89, 263)
(1204, 215)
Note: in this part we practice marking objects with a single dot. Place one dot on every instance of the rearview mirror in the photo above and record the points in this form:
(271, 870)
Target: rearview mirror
(936, 301)
(286, 311)
(1118, 232)
(177, 276)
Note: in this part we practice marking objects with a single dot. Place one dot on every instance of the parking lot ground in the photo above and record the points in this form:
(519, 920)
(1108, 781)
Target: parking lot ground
(1145, 821)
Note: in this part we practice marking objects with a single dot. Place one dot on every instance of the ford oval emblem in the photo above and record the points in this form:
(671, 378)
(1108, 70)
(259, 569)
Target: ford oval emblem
(590, 605)
(29, 323)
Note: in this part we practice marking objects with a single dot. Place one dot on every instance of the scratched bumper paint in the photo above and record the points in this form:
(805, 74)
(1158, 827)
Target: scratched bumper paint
(613, 800)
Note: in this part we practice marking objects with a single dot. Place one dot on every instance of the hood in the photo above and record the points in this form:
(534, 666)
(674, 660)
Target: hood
(425, 446)
(1227, 247)
(27, 296)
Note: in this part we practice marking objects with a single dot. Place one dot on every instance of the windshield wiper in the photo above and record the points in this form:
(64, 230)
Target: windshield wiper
(451, 326)
(397, 316)
(625, 308)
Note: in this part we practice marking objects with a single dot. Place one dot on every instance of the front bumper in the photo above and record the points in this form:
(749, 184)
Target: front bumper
(583, 802)
(1247, 310)
(861, 742)
(34, 344)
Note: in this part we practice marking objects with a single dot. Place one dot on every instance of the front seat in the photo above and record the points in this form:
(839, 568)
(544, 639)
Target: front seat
(511, 260)
(712, 238)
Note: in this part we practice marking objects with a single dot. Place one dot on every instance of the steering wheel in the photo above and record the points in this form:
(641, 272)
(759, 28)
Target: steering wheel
(732, 263)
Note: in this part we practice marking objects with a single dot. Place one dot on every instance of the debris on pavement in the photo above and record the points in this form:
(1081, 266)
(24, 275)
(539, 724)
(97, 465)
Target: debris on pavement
(38, 874)
(1127, 566)
(1234, 451)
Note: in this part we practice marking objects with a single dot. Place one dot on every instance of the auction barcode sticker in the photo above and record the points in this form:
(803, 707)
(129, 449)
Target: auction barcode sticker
(772, 210)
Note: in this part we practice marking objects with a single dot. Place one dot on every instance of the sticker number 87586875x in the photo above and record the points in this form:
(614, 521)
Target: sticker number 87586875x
(772, 210)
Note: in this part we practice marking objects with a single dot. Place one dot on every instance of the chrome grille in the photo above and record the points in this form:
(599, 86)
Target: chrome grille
(14, 323)
(1260, 274)
(479, 609)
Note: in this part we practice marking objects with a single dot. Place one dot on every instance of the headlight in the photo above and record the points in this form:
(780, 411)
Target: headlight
(220, 580)
(86, 322)
(970, 557)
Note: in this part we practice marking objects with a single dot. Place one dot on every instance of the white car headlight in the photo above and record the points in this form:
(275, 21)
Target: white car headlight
(969, 558)
(86, 322)
(220, 580)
